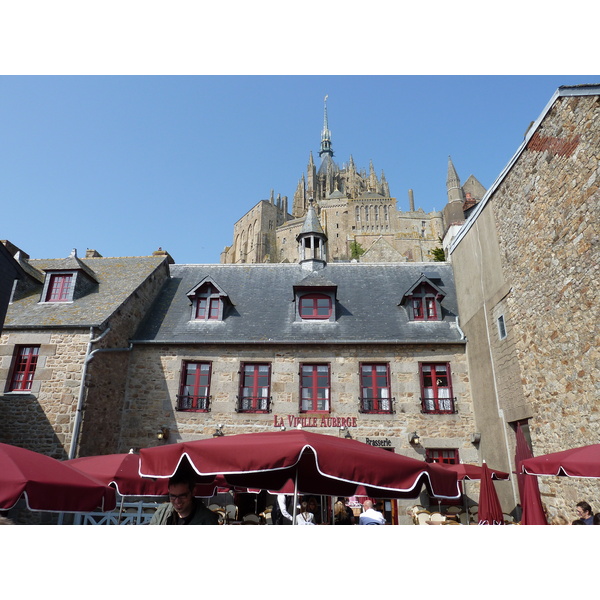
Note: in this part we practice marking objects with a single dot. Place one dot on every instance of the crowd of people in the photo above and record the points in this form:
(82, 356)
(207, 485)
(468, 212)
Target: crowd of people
(184, 509)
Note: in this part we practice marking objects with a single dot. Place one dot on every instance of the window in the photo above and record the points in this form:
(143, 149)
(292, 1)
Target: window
(314, 388)
(255, 388)
(315, 306)
(208, 304)
(436, 389)
(446, 456)
(375, 388)
(425, 304)
(501, 327)
(26, 358)
(194, 393)
(60, 287)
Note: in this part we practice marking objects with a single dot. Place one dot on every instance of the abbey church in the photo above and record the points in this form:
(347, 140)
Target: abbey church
(358, 214)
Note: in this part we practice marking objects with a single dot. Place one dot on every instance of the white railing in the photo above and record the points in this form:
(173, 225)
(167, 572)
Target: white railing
(133, 513)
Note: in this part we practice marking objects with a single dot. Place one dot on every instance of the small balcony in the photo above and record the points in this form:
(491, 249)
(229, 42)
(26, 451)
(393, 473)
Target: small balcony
(249, 404)
(193, 403)
(376, 406)
(438, 406)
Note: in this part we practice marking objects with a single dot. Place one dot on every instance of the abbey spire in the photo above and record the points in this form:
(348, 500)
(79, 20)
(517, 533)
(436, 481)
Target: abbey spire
(325, 134)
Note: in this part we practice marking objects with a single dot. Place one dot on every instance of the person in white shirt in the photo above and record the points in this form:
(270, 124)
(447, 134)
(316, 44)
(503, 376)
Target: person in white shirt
(370, 516)
(304, 517)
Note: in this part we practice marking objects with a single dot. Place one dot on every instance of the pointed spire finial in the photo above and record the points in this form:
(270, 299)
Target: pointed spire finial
(325, 134)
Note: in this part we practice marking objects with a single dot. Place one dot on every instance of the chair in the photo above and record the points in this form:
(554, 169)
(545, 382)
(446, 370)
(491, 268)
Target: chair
(251, 519)
(214, 507)
(231, 511)
(450, 522)
(464, 518)
(437, 517)
(454, 510)
(474, 508)
(413, 510)
(422, 517)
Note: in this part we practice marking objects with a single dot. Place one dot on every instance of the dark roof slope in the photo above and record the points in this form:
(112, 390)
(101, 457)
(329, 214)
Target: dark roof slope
(367, 308)
(117, 279)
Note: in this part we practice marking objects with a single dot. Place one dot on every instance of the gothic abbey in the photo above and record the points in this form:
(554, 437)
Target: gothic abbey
(357, 212)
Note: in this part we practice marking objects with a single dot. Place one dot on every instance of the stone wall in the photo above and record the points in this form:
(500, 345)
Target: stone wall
(546, 214)
(531, 256)
(154, 376)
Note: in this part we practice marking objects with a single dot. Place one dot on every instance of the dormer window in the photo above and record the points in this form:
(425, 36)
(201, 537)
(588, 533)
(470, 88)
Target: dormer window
(423, 301)
(424, 304)
(315, 306)
(60, 288)
(208, 301)
(208, 304)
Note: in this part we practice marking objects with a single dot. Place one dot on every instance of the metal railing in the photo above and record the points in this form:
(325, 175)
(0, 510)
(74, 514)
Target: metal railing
(199, 403)
(438, 406)
(382, 406)
(253, 404)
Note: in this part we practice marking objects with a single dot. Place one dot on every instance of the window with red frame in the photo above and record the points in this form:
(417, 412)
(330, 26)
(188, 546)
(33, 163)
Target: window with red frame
(315, 306)
(255, 388)
(59, 287)
(194, 393)
(24, 368)
(438, 455)
(208, 304)
(424, 304)
(314, 387)
(375, 388)
(436, 388)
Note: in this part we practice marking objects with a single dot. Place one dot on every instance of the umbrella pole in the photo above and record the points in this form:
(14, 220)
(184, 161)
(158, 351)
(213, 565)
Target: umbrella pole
(295, 499)
(120, 510)
(466, 500)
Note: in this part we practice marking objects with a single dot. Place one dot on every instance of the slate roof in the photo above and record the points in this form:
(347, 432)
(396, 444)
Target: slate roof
(263, 308)
(117, 279)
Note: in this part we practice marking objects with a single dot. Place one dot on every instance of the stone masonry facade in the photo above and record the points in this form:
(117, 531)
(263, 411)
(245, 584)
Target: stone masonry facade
(546, 216)
(154, 379)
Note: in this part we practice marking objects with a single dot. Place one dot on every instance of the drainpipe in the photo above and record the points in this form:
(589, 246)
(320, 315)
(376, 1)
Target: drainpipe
(89, 355)
(462, 333)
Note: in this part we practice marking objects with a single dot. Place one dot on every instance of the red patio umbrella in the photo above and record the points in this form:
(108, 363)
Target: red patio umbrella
(48, 484)
(533, 512)
(317, 463)
(490, 511)
(576, 462)
(472, 472)
(121, 471)
(529, 491)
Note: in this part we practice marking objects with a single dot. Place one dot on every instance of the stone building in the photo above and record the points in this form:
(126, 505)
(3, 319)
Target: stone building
(10, 271)
(526, 265)
(371, 351)
(65, 347)
(356, 211)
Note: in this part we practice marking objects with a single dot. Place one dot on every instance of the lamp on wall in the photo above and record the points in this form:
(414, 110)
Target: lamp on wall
(218, 431)
(414, 439)
(163, 434)
(347, 435)
(475, 438)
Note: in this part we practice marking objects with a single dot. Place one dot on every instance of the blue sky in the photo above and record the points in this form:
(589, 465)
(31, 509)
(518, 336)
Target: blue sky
(125, 164)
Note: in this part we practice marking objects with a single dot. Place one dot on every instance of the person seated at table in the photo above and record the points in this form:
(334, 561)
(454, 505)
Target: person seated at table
(370, 516)
(584, 512)
(342, 514)
(304, 517)
(183, 508)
